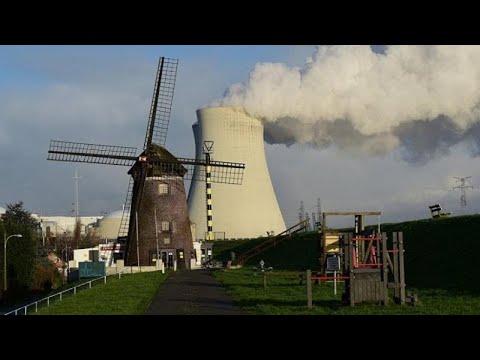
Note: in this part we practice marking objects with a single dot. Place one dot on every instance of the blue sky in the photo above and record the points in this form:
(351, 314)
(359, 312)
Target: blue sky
(101, 94)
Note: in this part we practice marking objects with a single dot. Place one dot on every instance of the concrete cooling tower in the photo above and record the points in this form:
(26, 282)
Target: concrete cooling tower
(249, 210)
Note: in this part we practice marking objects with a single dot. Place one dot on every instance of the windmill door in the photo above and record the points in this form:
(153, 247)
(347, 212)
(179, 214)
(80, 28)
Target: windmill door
(168, 256)
(180, 259)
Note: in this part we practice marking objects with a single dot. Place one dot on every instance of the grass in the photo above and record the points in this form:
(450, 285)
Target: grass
(285, 296)
(441, 257)
(129, 295)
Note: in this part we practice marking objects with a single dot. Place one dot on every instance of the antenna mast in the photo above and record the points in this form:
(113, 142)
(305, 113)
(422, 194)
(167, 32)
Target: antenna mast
(75, 178)
(463, 186)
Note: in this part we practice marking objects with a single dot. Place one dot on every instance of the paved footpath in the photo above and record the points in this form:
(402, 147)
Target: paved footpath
(195, 292)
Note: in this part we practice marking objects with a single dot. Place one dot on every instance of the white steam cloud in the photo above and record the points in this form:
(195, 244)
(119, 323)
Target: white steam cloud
(419, 99)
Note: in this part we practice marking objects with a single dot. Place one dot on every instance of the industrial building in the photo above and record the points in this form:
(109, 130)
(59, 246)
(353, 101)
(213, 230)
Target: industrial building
(246, 211)
(54, 226)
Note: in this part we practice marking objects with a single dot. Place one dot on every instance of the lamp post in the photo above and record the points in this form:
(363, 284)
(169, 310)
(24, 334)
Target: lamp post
(5, 258)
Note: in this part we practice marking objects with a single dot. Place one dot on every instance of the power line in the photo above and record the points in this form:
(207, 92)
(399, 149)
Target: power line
(301, 213)
(463, 187)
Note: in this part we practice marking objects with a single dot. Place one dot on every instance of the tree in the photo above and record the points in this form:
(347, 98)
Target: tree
(21, 252)
(16, 214)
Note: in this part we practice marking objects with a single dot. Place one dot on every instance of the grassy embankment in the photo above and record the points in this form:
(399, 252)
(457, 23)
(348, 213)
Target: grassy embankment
(129, 295)
(440, 266)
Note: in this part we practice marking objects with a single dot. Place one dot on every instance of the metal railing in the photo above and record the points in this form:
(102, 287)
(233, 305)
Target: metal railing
(23, 310)
(271, 242)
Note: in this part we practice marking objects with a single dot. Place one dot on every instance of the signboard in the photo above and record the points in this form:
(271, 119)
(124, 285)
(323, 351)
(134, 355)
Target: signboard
(333, 263)
(89, 269)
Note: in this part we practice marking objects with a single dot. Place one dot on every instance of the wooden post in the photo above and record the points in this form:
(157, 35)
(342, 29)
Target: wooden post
(309, 289)
(346, 256)
(384, 276)
(264, 280)
(396, 291)
(401, 267)
(351, 273)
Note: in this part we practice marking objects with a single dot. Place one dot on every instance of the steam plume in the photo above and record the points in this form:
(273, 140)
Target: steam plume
(419, 100)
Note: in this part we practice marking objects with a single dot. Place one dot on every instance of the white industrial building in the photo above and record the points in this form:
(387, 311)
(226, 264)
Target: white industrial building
(53, 226)
(249, 210)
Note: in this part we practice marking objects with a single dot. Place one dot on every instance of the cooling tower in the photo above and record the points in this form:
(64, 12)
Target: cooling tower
(249, 210)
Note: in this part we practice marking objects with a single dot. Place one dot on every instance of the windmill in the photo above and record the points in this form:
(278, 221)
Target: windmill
(155, 214)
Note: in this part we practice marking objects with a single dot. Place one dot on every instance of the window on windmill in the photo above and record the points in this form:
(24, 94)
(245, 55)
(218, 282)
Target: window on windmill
(163, 189)
(165, 226)
(166, 240)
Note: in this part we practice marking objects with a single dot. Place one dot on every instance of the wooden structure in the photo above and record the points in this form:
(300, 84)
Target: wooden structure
(370, 270)
(330, 238)
(367, 266)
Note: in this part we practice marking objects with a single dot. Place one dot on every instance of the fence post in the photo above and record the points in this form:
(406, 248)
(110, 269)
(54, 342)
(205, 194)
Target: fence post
(60, 296)
(48, 301)
(25, 310)
(104, 279)
(36, 306)
(264, 280)
(75, 290)
(309, 289)
(90, 284)
(119, 275)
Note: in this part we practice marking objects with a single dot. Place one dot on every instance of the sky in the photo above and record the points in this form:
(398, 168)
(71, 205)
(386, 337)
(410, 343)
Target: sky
(102, 94)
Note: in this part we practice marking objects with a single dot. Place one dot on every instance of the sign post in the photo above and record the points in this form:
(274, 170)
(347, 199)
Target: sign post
(333, 265)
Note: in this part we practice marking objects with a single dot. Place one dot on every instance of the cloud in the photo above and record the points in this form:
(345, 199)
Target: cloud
(369, 102)
(100, 97)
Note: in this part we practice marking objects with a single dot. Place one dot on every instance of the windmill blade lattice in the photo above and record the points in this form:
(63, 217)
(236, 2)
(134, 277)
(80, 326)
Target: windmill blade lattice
(223, 172)
(162, 99)
(91, 153)
(124, 224)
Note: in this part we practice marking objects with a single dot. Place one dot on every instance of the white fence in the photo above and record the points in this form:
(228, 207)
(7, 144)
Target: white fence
(58, 296)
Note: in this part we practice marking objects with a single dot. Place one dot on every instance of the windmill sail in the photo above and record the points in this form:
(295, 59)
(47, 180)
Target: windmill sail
(123, 231)
(162, 99)
(222, 172)
(91, 153)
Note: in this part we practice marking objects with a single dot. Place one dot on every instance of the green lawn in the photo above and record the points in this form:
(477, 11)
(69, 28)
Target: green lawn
(285, 296)
(129, 295)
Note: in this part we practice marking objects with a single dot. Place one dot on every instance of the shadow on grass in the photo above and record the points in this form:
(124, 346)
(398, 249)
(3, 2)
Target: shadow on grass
(252, 303)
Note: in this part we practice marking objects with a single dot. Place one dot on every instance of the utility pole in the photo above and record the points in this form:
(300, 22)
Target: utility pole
(301, 213)
(307, 219)
(319, 211)
(156, 236)
(138, 246)
(75, 178)
(464, 184)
